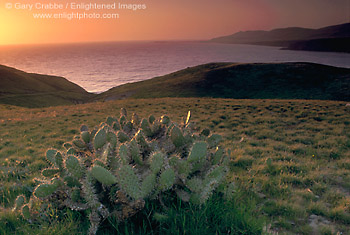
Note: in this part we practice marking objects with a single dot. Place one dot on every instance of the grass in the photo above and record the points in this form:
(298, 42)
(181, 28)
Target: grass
(216, 216)
(71, 223)
(290, 163)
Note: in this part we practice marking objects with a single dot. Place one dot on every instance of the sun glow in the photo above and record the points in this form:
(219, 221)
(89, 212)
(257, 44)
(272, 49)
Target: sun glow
(7, 27)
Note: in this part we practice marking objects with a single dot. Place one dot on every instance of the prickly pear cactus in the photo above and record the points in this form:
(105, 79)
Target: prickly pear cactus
(114, 168)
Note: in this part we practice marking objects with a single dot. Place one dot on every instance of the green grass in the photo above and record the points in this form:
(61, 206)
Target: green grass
(290, 163)
(217, 216)
(68, 223)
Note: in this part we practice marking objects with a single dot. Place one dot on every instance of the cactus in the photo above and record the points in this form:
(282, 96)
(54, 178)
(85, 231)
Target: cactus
(127, 128)
(135, 152)
(72, 182)
(26, 212)
(73, 167)
(59, 160)
(123, 112)
(183, 168)
(49, 172)
(146, 128)
(79, 144)
(177, 137)
(110, 121)
(198, 152)
(123, 154)
(45, 190)
(100, 138)
(19, 202)
(129, 182)
(116, 126)
(103, 175)
(151, 119)
(156, 162)
(165, 120)
(85, 136)
(83, 128)
(122, 121)
(148, 185)
(218, 156)
(214, 140)
(114, 168)
(166, 179)
(122, 137)
(50, 155)
(135, 120)
(71, 151)
(112, 139)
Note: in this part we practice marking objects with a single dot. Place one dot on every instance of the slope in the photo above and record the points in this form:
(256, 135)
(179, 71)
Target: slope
(243, 81)
(36, 90)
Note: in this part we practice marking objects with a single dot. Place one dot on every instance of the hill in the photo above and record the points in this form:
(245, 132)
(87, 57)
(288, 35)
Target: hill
(218, 80)
(35, 90)
(287, 37)
(243, 81)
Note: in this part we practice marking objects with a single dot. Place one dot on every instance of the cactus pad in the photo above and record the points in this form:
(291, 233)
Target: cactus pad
(100, 138)
(44, 190)
(103, 175)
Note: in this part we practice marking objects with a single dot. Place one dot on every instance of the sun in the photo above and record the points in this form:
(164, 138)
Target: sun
(8, 27)
(16, 26)
(4, 25)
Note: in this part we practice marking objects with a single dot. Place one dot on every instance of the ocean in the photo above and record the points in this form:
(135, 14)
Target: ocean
(98, 67)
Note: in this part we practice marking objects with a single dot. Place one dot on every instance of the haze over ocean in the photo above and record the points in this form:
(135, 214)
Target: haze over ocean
(98, 67)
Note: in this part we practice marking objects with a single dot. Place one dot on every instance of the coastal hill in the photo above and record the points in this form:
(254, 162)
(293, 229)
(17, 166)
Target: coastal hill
(331, 38)
(35, 90)
(243, 81)
(217, 80)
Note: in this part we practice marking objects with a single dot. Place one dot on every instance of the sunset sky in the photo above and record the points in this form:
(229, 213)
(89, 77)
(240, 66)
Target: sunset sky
(166, 19)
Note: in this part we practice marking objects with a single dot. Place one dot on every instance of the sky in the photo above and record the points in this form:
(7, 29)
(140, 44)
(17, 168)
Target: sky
(160, 20)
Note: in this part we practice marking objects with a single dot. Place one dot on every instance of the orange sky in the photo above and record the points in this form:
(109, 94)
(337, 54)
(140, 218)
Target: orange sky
(166, 19)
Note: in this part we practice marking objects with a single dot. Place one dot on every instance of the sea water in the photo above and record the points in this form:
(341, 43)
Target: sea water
(98, 67)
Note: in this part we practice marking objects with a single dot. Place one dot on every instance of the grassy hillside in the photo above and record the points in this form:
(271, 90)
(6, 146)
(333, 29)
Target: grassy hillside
(218, 80)
(243, 81)
(36, 90)
(291, 157)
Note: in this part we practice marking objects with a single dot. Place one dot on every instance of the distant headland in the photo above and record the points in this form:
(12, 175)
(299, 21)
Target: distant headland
(334, 38)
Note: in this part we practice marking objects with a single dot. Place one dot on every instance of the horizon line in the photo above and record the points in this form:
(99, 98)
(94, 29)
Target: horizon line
(103, 41)
(154, 40)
